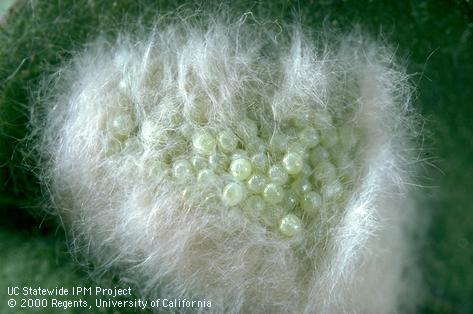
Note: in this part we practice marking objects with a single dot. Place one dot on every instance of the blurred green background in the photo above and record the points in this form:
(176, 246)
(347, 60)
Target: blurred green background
(433, 38)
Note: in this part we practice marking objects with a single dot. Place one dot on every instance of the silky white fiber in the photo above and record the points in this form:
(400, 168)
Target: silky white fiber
(253, 165)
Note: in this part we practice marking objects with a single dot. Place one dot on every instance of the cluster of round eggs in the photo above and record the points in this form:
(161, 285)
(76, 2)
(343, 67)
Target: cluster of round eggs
(284, 179)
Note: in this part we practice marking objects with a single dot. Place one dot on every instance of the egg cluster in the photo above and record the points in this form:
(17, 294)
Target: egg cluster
(283, 178)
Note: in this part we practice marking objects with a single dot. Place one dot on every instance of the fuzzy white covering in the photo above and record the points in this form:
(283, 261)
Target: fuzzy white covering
(125, 216)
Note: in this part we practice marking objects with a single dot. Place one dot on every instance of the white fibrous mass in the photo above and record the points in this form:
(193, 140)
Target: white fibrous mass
(264, 172)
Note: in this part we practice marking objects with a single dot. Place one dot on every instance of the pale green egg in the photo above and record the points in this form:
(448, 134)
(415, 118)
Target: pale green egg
(278, 174)
(311, 202)
(260, 162)
(204, 143)
(227, 141)
(233, 193)
(241, 168)
(273, 193)
(256, 183)
(206, 176)
(182, 169)
(290, 225)
(293, 163)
